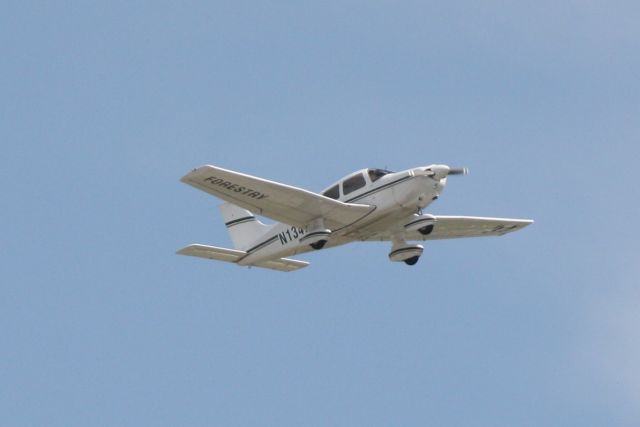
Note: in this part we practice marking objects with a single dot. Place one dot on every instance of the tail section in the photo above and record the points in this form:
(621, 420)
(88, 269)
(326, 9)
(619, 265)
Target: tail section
(242, 225)
(244, 230)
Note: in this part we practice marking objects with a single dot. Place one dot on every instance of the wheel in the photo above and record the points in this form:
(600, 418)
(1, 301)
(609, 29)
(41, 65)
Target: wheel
(426, 230)
(412, 260)
(318, 245)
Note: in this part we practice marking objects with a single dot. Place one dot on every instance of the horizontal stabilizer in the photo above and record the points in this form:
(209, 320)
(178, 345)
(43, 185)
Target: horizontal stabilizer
(233, 255)
(283, 264)
(212, 252)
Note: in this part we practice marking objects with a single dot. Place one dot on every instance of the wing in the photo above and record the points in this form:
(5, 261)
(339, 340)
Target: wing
(280, 202)
(232, 255)
(454, 227)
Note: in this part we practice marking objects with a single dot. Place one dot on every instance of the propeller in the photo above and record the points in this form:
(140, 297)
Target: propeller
(459, 171)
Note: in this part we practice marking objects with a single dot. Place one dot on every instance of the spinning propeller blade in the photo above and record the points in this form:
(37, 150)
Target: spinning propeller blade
(439, 172)
(458, 171)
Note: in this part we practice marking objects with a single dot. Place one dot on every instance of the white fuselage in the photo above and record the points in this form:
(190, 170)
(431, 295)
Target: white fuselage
(396, 197)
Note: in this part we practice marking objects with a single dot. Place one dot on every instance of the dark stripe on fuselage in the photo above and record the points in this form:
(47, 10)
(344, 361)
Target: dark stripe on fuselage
(240, 220)
(263, 244)
(382, 187)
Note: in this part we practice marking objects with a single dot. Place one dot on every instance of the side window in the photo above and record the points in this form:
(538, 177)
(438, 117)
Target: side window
(332, 192)
(352, 184)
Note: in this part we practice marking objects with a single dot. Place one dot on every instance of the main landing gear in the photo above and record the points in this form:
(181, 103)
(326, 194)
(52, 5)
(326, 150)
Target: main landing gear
(318, 245)
(317, 236)
(406, 252)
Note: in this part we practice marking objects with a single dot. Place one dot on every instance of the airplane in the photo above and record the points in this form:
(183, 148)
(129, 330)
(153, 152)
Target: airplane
(367, 205)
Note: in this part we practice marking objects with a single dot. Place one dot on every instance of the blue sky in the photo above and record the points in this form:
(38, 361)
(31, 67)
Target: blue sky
(104, 107)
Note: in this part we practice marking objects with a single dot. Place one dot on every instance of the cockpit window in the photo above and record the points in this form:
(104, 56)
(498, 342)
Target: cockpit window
(333, 192)
(353, 183)
(376, 174)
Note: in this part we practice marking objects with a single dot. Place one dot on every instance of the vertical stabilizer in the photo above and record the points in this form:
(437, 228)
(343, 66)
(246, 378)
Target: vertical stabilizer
(242, 225)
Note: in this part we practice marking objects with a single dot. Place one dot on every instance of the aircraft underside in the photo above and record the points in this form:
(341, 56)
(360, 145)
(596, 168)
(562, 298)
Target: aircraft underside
(368, 205)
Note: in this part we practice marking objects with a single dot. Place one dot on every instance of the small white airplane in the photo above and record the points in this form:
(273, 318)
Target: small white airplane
(367, 205)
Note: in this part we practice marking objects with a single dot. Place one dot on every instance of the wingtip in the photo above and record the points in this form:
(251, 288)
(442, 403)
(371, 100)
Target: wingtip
(187, 177)
(182, 251)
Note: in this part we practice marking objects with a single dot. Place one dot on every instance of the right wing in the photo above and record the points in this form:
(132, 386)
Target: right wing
(453, 227)
(280, 202)
(233, 255)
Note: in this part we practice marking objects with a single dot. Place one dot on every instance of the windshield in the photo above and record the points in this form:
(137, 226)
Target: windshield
(376, 174)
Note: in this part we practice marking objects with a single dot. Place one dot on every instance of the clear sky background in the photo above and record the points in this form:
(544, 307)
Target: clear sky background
(104, 107)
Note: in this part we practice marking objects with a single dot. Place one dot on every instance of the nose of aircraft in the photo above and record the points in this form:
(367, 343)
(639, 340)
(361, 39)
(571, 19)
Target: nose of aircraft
(438, 172)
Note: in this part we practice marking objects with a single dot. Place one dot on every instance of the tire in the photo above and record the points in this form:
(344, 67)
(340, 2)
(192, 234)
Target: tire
(318, 245)
(426, 230)
(412, 260)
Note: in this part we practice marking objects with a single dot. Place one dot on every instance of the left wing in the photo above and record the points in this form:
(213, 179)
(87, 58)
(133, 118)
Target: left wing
(453, 227)
(280, 202)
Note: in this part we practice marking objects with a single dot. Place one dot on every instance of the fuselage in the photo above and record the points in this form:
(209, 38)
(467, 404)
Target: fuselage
(396, 196)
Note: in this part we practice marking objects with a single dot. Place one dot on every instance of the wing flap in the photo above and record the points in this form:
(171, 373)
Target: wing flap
(280, 202)
(233, 255)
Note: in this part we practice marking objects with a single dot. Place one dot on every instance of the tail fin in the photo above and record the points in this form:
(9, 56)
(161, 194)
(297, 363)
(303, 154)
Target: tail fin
(242, 225)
